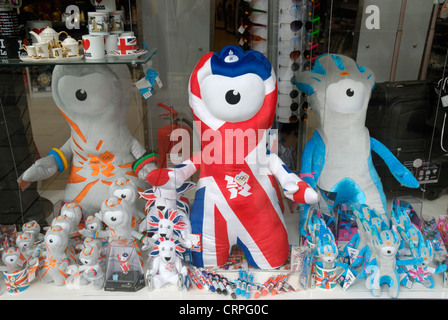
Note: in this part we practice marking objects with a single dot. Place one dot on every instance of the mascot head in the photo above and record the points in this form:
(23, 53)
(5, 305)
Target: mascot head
(233, 89)
(337, 87)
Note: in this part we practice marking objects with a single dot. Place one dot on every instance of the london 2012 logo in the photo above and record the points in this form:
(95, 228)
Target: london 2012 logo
(238, 185)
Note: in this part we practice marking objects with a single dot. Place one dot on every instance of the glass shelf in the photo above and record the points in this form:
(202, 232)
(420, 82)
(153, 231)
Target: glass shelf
(108, 60)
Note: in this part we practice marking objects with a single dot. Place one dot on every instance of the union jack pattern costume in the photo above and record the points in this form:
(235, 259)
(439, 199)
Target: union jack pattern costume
(234, 91)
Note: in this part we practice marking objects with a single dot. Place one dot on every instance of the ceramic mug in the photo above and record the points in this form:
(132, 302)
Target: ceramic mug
(31, 50)
(104, 5)
(57, 53)
(42, 50)
(127, 45)
(98, 23)
(127, 34)
(93, 47)
(111, 42)
(116, 22)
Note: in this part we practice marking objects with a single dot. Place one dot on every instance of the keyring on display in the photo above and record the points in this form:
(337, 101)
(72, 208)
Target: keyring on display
(246, 9)
(248, 23)
(308, 55)
(308, 65)
(252, 37)
(310, 24)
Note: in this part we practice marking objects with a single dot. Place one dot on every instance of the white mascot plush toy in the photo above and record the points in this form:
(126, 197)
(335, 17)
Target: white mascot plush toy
(338, 158)
(94, 100)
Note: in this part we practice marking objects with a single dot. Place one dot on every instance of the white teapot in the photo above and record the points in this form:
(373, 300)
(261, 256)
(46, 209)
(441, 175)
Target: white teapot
(70, 46)
(48, 35)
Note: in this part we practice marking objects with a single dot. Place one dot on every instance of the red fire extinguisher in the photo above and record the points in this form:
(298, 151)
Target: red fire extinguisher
(164, 139)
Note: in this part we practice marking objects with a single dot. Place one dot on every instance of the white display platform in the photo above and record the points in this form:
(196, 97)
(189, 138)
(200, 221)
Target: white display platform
(43, 291)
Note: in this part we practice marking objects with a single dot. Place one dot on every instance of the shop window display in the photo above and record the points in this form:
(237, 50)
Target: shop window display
(108, 105)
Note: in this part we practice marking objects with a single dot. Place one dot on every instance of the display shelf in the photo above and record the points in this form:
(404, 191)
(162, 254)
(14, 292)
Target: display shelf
(48, 291)
(108, 60)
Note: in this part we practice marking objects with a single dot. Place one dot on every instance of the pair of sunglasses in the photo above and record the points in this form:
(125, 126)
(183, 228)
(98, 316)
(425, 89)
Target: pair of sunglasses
(295, 66)
(295, 112)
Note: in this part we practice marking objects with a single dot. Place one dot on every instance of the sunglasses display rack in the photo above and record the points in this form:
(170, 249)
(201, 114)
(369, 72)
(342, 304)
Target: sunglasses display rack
(253, 21)
(298, 30)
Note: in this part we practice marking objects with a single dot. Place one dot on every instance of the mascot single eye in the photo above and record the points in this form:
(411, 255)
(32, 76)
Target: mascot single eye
(68, 214)
(123, 193)
(81, 95)
(350, 92)
(233, 97)
(52, 239)
(388, 251)
(11, 259)
(113, 217)
(352, 100)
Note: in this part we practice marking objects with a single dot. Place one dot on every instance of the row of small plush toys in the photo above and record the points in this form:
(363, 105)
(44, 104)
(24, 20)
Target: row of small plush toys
(73, 247)
(381, 252)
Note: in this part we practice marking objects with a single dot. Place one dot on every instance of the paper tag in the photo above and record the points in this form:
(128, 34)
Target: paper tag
(241, 29)
(347, 279)
(353, 254)
(197, 243)
(144, 86)
(159, 82)
(445, 101)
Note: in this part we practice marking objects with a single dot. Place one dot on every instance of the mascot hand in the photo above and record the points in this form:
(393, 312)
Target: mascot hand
(404, 176)
(310, 181)
(147, 169)
(302, 193)
(41, 169)
(164, 178)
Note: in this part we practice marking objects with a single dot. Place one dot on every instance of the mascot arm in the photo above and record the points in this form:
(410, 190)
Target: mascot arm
(44, 168)
(173, 178)
(306, 172)
(398, 170)
(294, 188)
(145, 161)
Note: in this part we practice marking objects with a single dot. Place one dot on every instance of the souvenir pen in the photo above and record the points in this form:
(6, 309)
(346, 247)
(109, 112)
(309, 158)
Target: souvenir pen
(193, 278)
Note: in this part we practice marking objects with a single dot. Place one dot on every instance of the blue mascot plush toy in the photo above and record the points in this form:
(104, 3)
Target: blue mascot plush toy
(338, 157)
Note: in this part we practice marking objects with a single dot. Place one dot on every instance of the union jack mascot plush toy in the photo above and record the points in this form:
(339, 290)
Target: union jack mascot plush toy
(233, 96)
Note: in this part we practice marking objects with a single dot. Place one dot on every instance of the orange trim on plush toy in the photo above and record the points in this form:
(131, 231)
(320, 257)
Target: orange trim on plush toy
(132, 174)
(76, 143)
(344, 74)
(74, 126)
(74, 177)
(83, 158)
(99, 145)
(84, 191)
